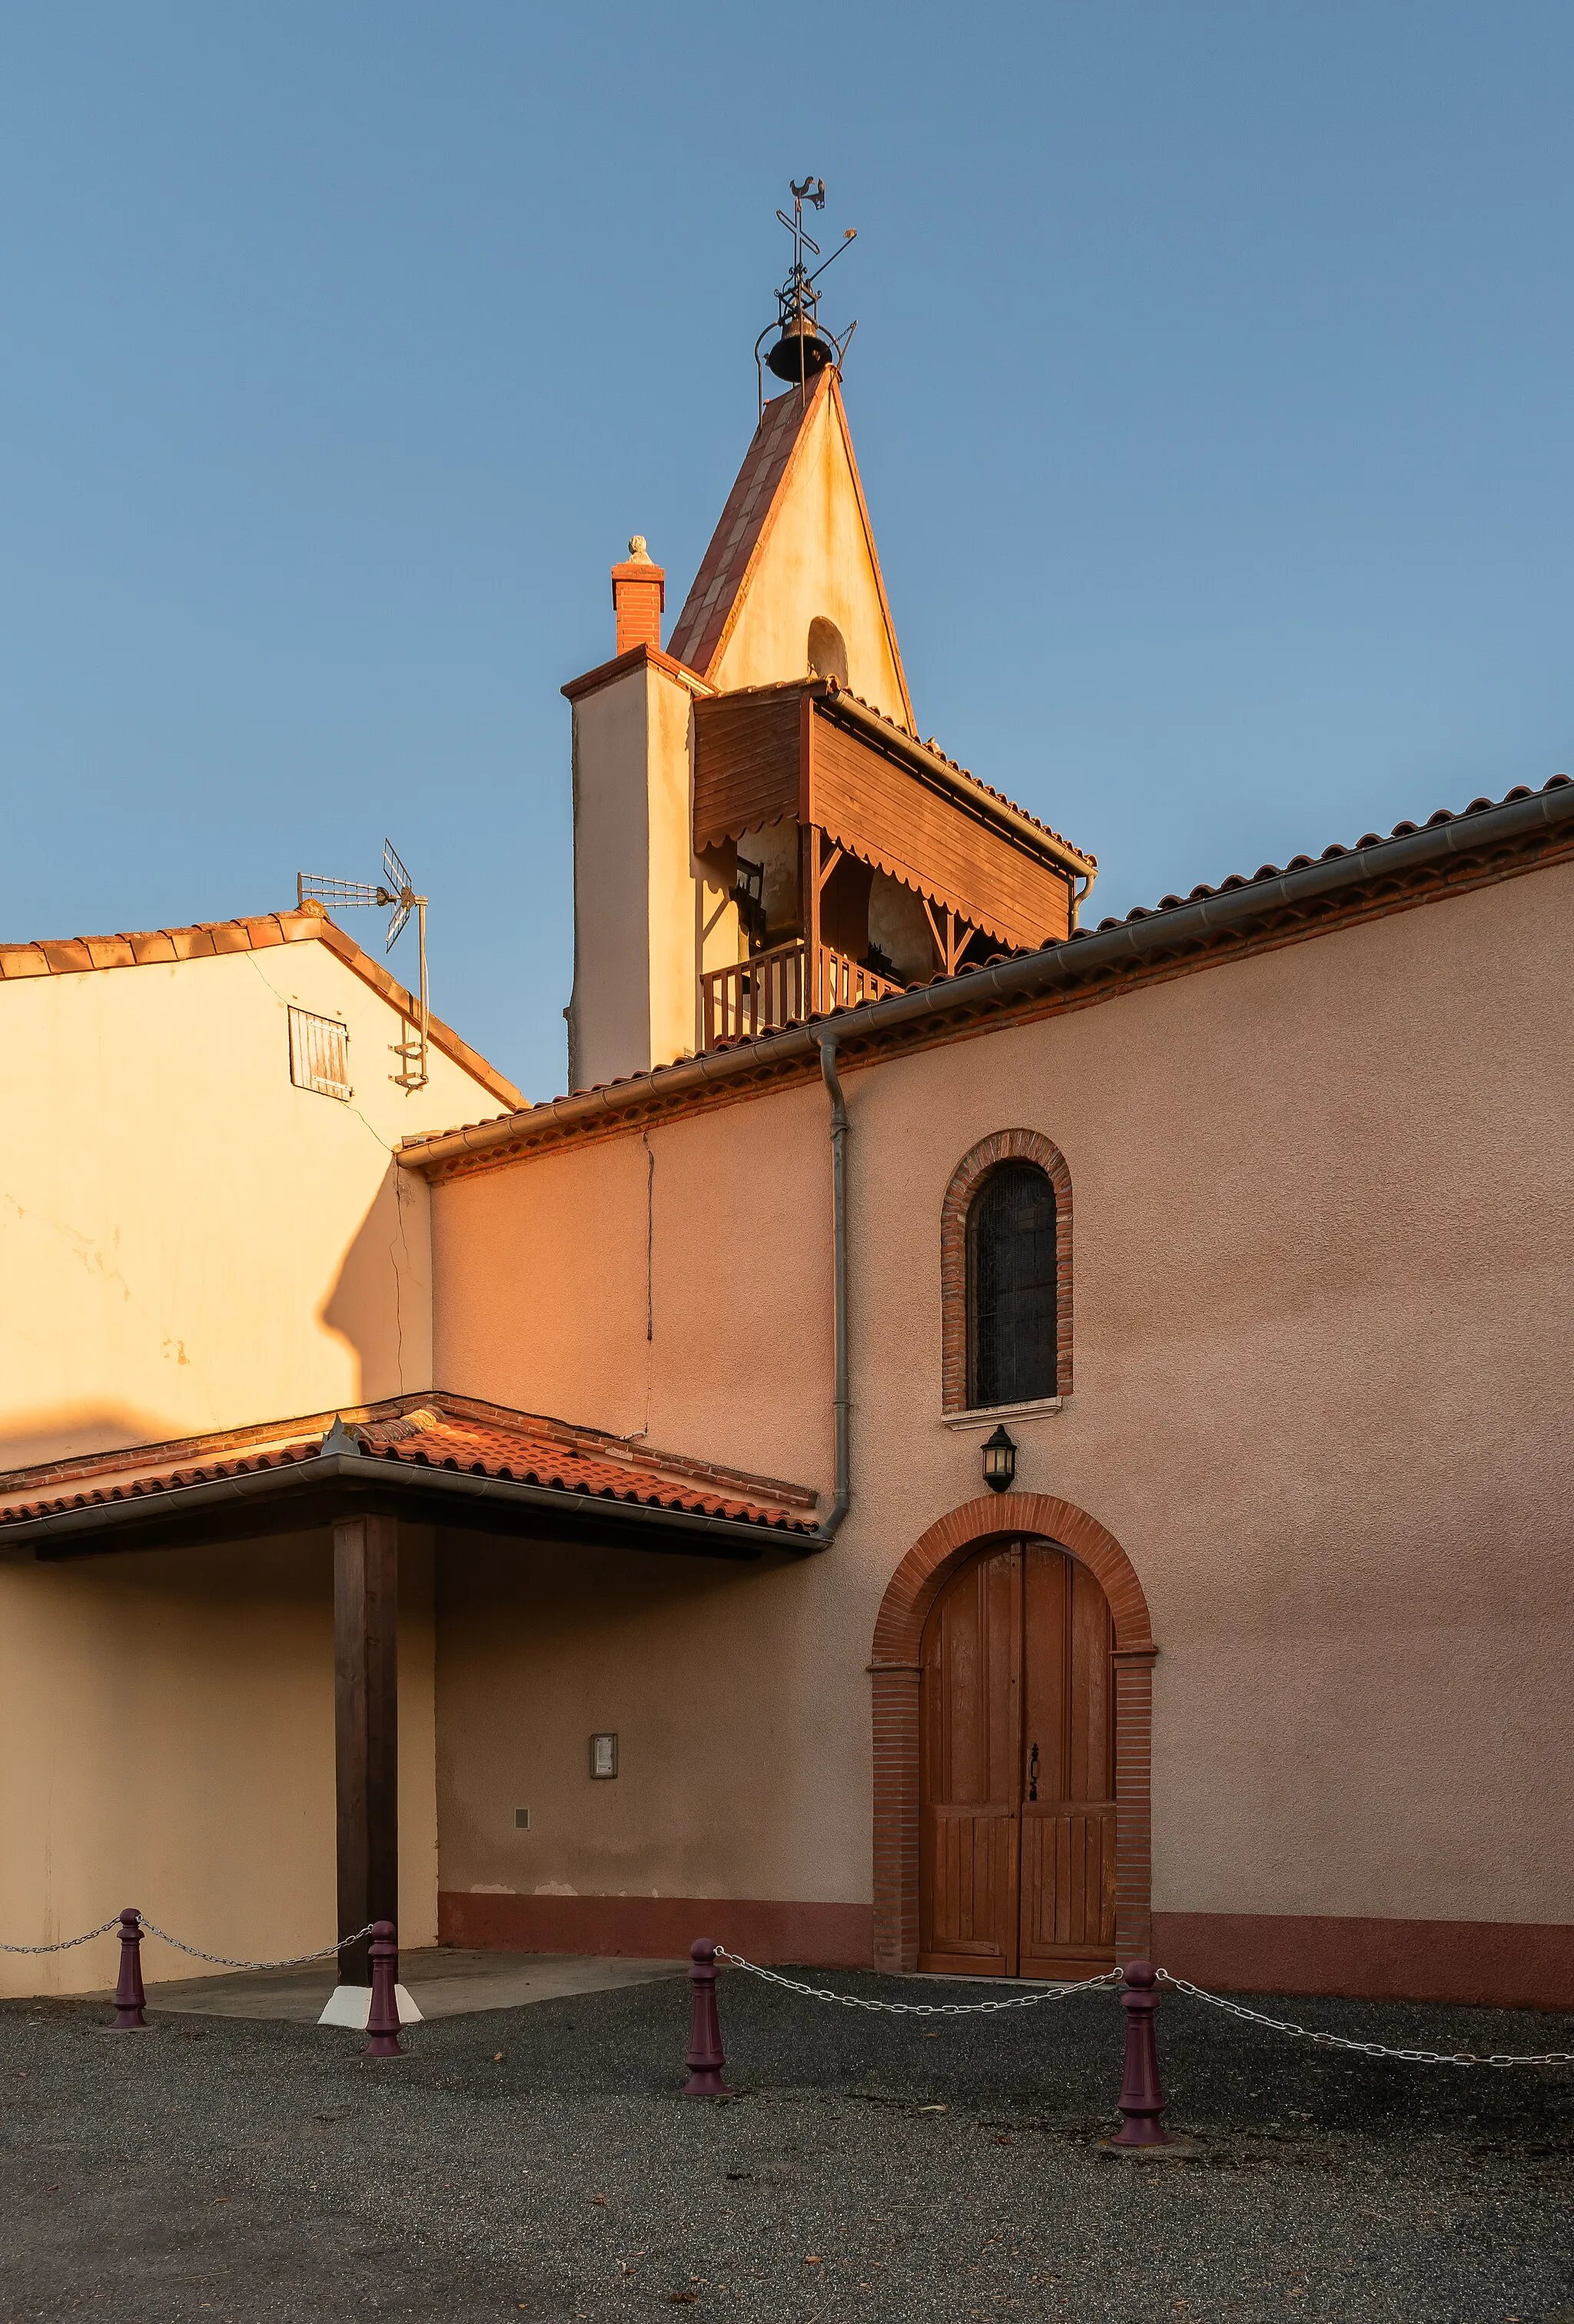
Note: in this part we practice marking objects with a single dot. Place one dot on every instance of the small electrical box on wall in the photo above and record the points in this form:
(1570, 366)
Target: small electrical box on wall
(604, 1757)
(522, 1819)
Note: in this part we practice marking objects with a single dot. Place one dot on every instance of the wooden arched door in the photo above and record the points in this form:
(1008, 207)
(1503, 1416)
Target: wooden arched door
(1016, 1757)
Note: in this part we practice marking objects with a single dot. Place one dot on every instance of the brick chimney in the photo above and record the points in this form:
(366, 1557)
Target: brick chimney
(639, 594)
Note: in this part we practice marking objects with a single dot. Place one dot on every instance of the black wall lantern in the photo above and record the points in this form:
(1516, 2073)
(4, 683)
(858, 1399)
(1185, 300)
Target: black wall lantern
(1000, 1461)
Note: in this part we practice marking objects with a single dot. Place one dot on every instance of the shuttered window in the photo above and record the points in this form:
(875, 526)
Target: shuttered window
(319, 1054)
(1011, 1286)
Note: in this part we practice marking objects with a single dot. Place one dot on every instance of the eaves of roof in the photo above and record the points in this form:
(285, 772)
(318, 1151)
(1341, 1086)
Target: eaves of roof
(212, 939)
(641, 657)
(930, 762)
(1449, 854)
(435, 1458)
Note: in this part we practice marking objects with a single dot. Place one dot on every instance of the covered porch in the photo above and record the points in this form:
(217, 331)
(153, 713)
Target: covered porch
(336, 1505)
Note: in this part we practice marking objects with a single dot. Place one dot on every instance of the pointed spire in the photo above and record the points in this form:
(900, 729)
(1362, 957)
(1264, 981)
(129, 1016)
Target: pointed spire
(793, 545)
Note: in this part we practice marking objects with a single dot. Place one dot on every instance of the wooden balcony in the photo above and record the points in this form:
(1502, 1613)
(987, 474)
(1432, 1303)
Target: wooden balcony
(776, 988)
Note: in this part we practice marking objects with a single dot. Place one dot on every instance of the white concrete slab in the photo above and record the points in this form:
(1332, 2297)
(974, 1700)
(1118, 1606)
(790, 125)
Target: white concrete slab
(351, 2004)
(443, 1982)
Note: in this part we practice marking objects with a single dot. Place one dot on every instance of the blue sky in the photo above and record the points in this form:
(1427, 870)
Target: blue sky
(1211, 391)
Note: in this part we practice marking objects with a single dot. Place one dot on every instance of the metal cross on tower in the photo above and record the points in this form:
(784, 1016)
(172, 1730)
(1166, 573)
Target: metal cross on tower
(802, 350)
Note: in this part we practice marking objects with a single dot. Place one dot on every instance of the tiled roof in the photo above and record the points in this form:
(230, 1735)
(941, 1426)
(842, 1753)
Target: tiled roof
(1329, 854)
(698, 631)
(209, 939)
(695, 1082)
(435, 1431)
(964, 774)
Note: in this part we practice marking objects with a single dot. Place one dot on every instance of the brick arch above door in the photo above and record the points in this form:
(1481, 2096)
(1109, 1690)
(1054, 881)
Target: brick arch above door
(894, 1668)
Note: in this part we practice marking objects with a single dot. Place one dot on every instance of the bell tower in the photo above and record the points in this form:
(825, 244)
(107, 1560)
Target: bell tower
(759, 835)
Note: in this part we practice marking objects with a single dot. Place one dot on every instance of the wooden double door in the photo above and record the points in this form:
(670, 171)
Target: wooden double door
(1016, 1835)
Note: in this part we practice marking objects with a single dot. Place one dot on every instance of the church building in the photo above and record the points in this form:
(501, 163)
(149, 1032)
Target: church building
(974, 1439)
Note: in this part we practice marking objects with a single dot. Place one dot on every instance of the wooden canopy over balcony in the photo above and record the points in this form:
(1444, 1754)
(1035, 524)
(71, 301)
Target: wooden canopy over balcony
(810, 753)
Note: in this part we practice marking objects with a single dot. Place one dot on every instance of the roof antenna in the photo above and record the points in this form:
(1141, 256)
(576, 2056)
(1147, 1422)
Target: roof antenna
(802, 350)
(395, 888)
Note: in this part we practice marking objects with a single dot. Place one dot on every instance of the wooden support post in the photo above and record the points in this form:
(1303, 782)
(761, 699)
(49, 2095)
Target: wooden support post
(366, 1730)
(809, 899)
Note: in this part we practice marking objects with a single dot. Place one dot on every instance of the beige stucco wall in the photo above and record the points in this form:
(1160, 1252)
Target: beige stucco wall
(640, 898)
(1324, 1215)
(187, 1241)
(677, 888)
(167, 1741)
(717, 1790)
(816, 560)
(609, 1013)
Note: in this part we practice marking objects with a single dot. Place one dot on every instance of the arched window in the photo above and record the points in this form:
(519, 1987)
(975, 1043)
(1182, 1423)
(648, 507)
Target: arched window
(1006, 1275)
(827, 651)
(1011, 1286)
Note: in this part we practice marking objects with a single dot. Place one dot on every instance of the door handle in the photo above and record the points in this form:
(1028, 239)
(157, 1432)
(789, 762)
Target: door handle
(1033, 1772)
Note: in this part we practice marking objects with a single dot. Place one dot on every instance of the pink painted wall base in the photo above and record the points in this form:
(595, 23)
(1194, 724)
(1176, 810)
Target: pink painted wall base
(659, 1928)
(1503, 1964)
(1500, 1964)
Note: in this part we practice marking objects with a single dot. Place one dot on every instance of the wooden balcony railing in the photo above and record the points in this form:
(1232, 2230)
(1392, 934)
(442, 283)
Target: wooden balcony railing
(761, 994)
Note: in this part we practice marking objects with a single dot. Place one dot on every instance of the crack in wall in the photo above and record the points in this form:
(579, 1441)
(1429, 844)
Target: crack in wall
(82, 1248)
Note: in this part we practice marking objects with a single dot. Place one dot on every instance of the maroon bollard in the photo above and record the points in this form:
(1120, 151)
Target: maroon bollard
(130, 1999)
(383, 2017)
(704, 2059)
(1142, 2101)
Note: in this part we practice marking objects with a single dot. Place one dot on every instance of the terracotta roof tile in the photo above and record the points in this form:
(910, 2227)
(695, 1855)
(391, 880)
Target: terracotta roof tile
(433, 1431)
(1235, 879)
(548, 1109)
(67, 955)
(110, 951)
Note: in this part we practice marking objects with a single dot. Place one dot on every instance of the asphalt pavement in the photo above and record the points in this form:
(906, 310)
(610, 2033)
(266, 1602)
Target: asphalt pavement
(538, 2162)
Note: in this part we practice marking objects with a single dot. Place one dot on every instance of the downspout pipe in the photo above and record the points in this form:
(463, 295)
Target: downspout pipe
(828, 1530)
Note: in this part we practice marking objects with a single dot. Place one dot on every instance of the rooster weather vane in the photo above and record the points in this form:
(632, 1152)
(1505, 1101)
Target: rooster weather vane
(802, 349)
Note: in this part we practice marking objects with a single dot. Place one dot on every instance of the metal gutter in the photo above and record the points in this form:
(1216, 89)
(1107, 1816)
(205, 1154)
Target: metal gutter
(373, 1476)
(1057, 966)
(829, 1527)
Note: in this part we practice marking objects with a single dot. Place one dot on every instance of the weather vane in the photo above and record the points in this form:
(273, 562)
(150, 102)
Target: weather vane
(802, 350)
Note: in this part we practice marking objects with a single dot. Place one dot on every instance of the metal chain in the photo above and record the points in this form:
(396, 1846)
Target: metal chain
(1101, 1984)
(296, 1960)
(66, 1944)
(1365, 2049)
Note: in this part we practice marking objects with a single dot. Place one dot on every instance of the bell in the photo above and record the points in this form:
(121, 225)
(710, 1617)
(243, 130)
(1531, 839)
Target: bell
(800, 352)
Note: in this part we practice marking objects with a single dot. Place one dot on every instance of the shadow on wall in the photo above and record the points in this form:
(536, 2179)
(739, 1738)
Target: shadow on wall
(275, 1356)
(541, 1646)
(380, 1305)
(31, 1440)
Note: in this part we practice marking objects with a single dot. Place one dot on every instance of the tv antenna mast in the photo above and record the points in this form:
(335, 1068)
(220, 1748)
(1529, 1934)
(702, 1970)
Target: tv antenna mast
(394, 888)
(803, 349)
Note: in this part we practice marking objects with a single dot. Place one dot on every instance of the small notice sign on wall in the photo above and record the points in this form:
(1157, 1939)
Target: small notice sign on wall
(603, 1756)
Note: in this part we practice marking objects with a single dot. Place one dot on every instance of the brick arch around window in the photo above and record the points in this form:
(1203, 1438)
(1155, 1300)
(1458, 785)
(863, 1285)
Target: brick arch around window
(894, 1669)
(1001, 1146)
